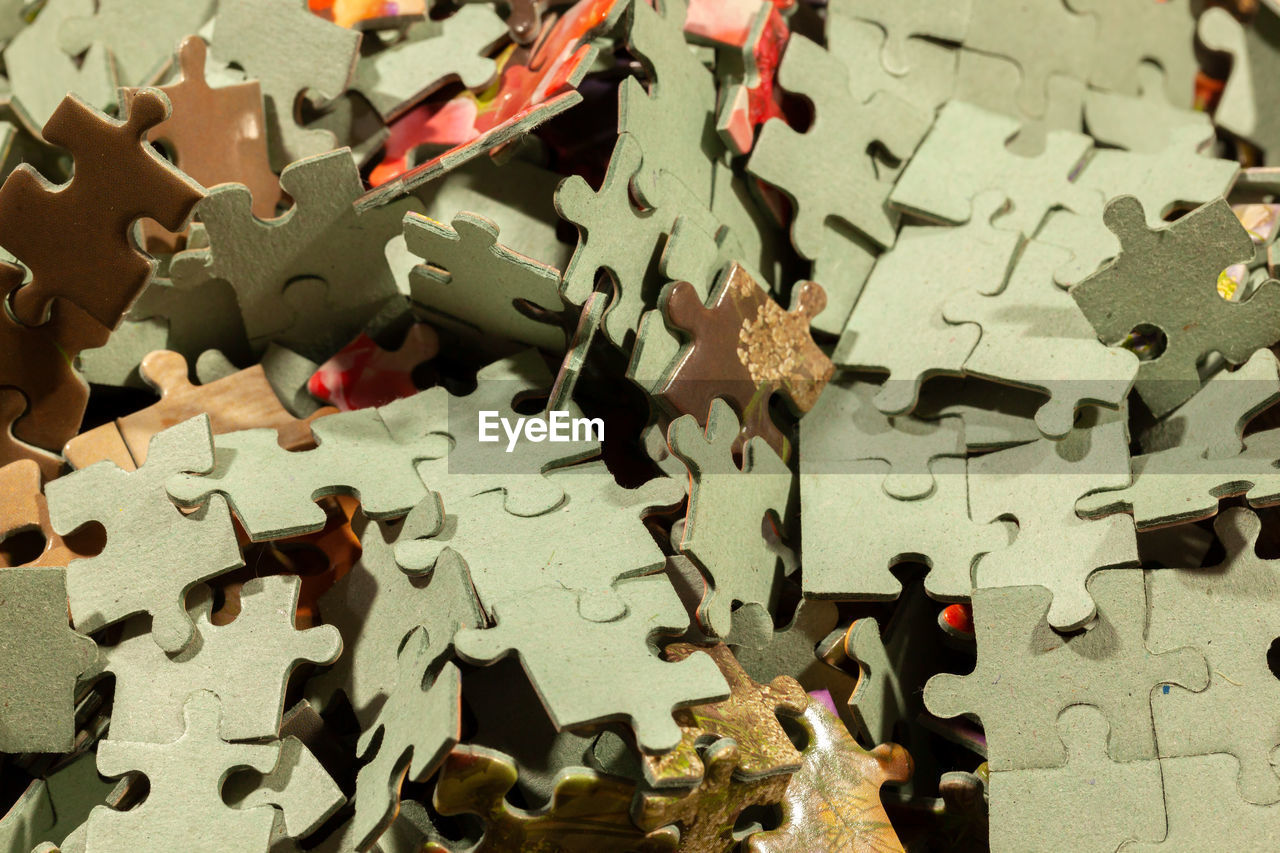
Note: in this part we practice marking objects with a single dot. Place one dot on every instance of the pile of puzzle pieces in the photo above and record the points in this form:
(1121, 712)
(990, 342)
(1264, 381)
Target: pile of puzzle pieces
(922, 485)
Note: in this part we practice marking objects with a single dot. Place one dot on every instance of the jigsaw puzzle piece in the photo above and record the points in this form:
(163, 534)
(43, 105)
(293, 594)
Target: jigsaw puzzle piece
(586, 808)
(744, 349)
(320, 242)
(833, 800)
(1253, 50)
(106, 272)
(843, 129)
(1132, 34)
(1205, 812)
(137, 33)
(1144, 123)
(641, 688)
(965, 153)
(749, 716)
(1181, 263)
(414, 731)
(1034, 337)
(727, 506)
(1226, 611)
(1042, 39)
(470, 277)
(1214, 420)
(992, 82)
(40, 75)
(1124, 800)
(904, 296)
(844, 427)
(289, 51)
(154, 553)
(673, 120)
(1038, 672)
(299, 786)
(42, 659)
(431, 54)
(184, 809)
(1038, 484)
(247, 663)
(905, 23)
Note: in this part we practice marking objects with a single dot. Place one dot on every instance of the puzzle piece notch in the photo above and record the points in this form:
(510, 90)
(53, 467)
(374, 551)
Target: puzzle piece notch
(35, 215)
(1181, 263)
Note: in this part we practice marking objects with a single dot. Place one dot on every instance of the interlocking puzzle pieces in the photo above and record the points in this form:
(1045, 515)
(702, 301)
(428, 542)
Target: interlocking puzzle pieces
(859, 532)
(749, 717)
(965, 154)
(707, 814)
(40, 659)
(362, 374)
(1226, 611)
(586, 809)
(431, 54)
(744, 349)
(903, 301)
(641, 688)
(415, 728)
(844, 428)
(1141, 123)
(1205, 812)
(833, 801)
(277, 265)
(907, 22)
(355, 455)
(1123, 799)
(556, 547)
(184, 809)
(1133, 34)
(291, 52)
(470, 277)
(1044, 41)
(843, 128)
(1027, 673)
(727, 508)
(1165, 280)
(247, 663)
(243, 400)
(154, 553)
(107, 272)
(1037, 485)
(217, 136)
(1034, 337)
(674, 120)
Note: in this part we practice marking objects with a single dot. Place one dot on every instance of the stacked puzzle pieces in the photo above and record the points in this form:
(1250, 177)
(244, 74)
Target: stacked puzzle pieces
(639, 425)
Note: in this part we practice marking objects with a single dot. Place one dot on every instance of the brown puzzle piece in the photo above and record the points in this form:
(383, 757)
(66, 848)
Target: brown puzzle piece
(243, 400)
(216, 136)
(12, 404)
(37, 361)
(75, 237)
(748, 716)
(745, 347)
(23, 507)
